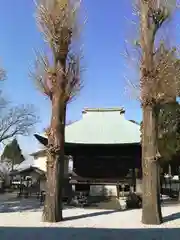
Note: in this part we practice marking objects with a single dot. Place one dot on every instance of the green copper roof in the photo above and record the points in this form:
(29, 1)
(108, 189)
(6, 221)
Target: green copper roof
(103, 126)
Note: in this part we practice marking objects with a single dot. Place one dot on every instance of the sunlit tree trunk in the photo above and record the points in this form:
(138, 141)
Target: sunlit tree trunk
(55, 162)
(56, 138)
(60, 81)
(151, 210)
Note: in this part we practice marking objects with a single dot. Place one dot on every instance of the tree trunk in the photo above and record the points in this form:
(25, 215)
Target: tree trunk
(151, 212)
(55, 163)
(151, 208)
(54, 191)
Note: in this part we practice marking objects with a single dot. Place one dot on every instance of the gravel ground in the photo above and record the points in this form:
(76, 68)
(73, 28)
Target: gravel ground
(25, 222)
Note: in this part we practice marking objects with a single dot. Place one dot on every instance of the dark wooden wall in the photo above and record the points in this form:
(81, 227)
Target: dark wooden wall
(105, 161)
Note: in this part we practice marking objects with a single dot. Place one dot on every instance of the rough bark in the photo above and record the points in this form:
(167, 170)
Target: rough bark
(151, 208)
(55, 162)
(59, 81)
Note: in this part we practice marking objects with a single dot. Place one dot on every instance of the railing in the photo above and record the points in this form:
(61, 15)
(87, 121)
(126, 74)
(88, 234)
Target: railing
(99, 181)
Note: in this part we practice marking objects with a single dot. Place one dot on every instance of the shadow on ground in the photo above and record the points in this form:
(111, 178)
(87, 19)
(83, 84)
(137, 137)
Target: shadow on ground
(171, 217)
(22, 204)
(94, 214)
(19, 205)
(88, 233)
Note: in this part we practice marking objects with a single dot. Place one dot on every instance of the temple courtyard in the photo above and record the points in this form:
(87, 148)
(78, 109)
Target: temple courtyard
(22, 218)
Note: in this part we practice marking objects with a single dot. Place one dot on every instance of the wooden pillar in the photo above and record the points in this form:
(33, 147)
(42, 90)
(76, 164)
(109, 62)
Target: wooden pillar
(169, 170)
(123, 189)
(117, 188)
(20, 187)
(134, 179)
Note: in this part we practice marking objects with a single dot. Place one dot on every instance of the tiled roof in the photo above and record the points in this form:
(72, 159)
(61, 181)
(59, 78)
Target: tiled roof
(103, 126)
(106, 126)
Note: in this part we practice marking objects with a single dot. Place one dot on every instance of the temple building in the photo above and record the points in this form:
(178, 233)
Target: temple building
(105, 148)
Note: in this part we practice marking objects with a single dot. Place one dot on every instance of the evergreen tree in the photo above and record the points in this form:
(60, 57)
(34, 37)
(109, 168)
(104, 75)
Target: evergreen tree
(168, 131)
(12, 154)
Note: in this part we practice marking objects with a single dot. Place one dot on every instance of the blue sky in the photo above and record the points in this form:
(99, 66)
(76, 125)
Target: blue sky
(103, 40)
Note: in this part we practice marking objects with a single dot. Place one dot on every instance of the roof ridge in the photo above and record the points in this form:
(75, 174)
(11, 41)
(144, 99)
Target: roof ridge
(115, 109)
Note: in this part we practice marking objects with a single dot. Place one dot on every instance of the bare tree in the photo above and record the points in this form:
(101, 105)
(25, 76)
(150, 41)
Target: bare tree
(60, 81)
(155, 89)
(16, 121)
(158, 86)
(2, 74)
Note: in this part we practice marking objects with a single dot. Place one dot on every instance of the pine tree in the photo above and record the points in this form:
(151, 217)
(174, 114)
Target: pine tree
(12, 154)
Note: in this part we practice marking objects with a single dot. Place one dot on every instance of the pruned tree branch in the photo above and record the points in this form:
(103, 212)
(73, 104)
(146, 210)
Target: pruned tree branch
(57, 21)
(43, 72)
(164, 84)
(40, 73)
(58, 25)
(73, 77)
(165, 81)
